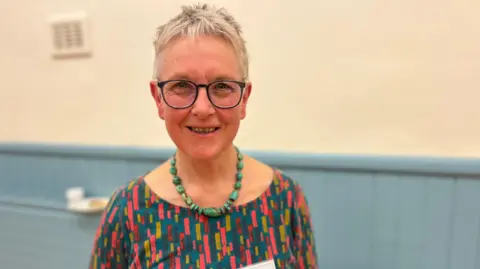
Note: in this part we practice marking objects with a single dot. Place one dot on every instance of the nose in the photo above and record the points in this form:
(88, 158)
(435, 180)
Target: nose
(202, 106)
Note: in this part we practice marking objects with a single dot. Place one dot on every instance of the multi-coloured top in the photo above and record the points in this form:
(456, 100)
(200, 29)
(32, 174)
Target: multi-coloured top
(141, 230)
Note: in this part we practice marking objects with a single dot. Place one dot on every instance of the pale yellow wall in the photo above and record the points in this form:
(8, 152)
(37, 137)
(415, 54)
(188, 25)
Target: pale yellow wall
(343, 76)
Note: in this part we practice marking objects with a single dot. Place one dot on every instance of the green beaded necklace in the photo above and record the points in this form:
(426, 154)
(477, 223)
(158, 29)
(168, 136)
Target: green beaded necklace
(209, 211)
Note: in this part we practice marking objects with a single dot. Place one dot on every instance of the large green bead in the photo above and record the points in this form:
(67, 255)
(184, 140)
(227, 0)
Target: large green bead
(180, 189)
(173, 170)
(176, 180)
(239, 176)
(211, 212)
(188, 200)
(237, 185)
(240, 165)
(234, 195)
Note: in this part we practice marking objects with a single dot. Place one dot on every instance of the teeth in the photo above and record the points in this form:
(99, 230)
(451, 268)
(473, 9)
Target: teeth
(203, 130)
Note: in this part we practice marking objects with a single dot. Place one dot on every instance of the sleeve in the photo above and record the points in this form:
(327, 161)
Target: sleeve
(304, 239)
(109, 245)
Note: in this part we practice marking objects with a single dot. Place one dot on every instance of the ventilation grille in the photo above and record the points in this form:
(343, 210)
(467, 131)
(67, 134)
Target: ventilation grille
(70, 35)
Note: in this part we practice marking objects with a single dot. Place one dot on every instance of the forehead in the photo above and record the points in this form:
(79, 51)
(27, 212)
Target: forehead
(200, 58)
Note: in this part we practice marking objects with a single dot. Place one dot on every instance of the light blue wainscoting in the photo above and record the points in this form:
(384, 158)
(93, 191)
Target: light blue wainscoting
(369, 212)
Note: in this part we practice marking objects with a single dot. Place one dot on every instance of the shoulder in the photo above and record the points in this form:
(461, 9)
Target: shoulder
(291, 188)
(128, 193)
(125, 191)
(286, 182)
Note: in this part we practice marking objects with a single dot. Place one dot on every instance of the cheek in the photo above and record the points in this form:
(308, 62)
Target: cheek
(173, 116)
(230, 117)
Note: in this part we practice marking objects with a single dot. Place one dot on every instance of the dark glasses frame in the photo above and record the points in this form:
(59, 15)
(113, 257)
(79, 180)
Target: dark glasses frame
(161, 85)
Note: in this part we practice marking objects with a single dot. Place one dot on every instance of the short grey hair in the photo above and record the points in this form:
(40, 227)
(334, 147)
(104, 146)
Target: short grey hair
(203, 20)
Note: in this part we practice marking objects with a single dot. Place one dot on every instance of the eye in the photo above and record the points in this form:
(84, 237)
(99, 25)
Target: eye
(181, 84)
(222, 86)
(179, 88)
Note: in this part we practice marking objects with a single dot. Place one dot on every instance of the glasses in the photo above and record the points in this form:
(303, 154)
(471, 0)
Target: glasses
(183, 93)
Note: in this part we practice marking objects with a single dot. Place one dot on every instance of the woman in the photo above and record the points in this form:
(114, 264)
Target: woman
(209, 206)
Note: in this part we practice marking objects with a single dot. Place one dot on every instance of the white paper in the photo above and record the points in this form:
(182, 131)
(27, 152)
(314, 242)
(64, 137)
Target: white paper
(261, 265)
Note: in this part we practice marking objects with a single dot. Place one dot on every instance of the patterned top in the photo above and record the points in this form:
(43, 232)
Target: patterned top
(139, 230)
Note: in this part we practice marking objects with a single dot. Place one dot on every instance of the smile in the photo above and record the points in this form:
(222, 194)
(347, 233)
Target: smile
(203, 130)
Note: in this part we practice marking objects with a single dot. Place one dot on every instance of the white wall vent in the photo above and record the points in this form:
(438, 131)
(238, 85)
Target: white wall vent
(70, 35)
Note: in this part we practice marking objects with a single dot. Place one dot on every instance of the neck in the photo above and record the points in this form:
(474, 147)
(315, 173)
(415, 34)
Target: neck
(218, 170)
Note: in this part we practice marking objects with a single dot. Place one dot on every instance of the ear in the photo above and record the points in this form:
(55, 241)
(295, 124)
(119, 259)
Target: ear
(156, 95)
(243, 104)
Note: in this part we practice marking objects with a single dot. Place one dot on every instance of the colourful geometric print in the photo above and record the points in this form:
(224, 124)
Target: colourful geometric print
(139, 230)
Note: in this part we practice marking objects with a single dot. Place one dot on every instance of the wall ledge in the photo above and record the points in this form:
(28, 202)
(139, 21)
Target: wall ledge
(419, 165)
(37, 204)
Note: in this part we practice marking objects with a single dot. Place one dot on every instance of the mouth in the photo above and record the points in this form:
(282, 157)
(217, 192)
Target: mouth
(203, 130)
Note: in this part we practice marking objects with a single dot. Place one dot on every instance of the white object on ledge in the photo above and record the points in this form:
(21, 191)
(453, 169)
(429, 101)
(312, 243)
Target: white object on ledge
(74, 194)
(89, 205)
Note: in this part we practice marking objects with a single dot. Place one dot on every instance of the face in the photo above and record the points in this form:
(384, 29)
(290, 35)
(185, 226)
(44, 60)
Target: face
(201, 60)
